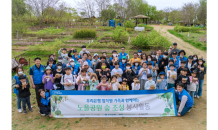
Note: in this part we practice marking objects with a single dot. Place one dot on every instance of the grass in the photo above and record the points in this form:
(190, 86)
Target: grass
(192, 39)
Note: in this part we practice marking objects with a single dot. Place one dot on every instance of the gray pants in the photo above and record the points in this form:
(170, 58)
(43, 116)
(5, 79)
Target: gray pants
(142, 83)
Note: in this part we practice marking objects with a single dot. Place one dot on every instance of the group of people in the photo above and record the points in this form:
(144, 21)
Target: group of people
(155, 71)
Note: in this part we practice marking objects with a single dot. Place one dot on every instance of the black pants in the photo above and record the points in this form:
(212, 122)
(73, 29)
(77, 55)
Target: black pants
(38, 86)
(26, 100)
(129, 83)
(45, 109)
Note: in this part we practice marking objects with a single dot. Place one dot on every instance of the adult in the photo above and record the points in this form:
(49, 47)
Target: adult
(139, 53)
(174, 49)
(60, 59)
(53, 57)
(159, 56)
(85, 58)
(184, 98)
(175, 59)
(36, 72)
(83, 51)
(64, 55)
(113, 58)
(94, 61)
(75, 56)
(107, 59)
(123, 53)
(163, 62)
(98, 65)
(135, 56)
(182, 57)
(50, 64)
(85, 65)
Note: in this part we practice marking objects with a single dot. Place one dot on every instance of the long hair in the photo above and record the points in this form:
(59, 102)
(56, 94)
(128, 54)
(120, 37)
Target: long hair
(39, 96)
(18, 69)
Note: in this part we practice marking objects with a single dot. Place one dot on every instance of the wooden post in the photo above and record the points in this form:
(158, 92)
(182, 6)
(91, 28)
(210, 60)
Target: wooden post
(136, 22)
(146, 21)
(143, 20)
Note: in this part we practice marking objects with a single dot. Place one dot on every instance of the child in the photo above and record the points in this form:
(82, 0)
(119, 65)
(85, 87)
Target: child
(51, 64)
(155, 64)
(75, 56)
(64, 55)
(114, 85)
(193, 84)
(74, 67)
(113, 59)
(60, 59)
(15, 85)
(184, 78)
(93, 81)
(104, 71)
(143, 58)
(122, 63)
(162, 82)
(47, 79)
(143, 75)
(68, 80)
(135, 85)
(57, 77)
(129, 74)
(24, 93)
(103, 85)
(117, 71)
(82, 80)
(152, 71)
(201, 69)
(150, 84)
(184, 98)
(136, 66)
(124, 85)
(44, 103)
(183, 63)
(190, 62)
(171, 76)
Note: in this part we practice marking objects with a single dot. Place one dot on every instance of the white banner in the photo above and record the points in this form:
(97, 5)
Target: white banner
(133, 103)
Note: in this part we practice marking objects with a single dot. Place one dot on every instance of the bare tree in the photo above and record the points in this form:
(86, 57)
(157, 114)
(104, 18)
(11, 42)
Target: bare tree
(87, 6)
(167, 11)
(189, 12)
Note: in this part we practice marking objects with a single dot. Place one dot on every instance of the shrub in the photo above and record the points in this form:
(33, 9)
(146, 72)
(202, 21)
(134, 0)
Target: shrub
(49, 31)
(129, 30)
(85, 33)
(195, 29)
(129, 24)
(181, 28)
(106, 28)
(120, 35)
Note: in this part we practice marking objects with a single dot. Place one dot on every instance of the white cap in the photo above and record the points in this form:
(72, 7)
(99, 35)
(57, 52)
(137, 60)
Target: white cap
(85, 63)
(71, 60)
(96, 54)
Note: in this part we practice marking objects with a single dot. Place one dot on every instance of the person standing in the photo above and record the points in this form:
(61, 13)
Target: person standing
(83, 51)
(172, 50)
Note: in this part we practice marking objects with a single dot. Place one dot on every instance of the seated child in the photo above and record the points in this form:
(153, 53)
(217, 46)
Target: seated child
(124, 85)
(68, 80)
(82, 80)
(162, 82)
(128, 74)
(171, 76)
(193, 84)
(24, 93)
(47, 79)
(103, 85)
(44, 103)
(152, 71)
(114, 85)
(150, 84)
(135, 85)
(93, 81)
(184, 78)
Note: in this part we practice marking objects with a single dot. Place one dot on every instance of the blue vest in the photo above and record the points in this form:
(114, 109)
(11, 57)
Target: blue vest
(75, 70)
(75, 59)
(17, 82)
(111, 66)
(121, 55)
(176, 63)
(37, 74)
(122, 66)
(45, 101)
(159, 59)
(53, 67)
(138, 68)
(189, 102)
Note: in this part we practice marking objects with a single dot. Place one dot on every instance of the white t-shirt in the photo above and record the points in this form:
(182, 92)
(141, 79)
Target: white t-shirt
(189, 66)
(68, 79)
(135, 87)
(120, 71)
(115, 86)
(144, 74)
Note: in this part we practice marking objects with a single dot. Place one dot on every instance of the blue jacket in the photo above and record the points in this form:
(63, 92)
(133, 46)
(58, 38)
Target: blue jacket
(189, 102)
(168, 68)
(75, 70)
(122, 66)
(75, 59)
(136, 71)
(53, 67)
(63, 66)
(176, 63)
(45, 101)
(121, 55)
(162, 85)
(159, 59)
(89, 62)
(37, 73)
(17, 82)
(184, 58)
(111, 66)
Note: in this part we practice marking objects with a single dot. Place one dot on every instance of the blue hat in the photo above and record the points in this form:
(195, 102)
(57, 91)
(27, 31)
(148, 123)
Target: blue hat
(140, 51)
(174, 43)
(162, 73)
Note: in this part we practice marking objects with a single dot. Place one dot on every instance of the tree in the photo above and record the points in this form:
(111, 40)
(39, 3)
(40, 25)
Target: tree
(202, 11)
(107, 14)
(55, 98)
(167, 110)
(167, 96)
(54, 106)
(18, 7)
(58, 112)
(189, 12)
(175, 15)
(167, 11)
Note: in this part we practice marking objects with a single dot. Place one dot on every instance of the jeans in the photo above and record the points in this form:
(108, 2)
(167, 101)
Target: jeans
(18, 102)
(170, 86)
(185, 109)
(199, 88)
(45, 109)
(26, 100)
(192, 93)
(38, 86)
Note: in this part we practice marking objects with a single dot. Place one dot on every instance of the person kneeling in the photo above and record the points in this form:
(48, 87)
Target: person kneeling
(186, 100)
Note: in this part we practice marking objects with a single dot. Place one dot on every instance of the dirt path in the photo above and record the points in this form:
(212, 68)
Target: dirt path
(189, 49)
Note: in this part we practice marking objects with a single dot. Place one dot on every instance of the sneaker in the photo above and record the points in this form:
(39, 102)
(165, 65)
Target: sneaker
(189, 111)
(195, 96)
(24, 112)
(41, 113)
(198, 96)
(19, 110)
(31, 109)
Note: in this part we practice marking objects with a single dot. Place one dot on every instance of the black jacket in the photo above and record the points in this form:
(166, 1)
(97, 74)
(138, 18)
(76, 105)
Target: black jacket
(179, 69)
(161, 67)
(24, 92)
(128, 75)
(179, 80)
(103, 73)
(200, 74)
(98, 65)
